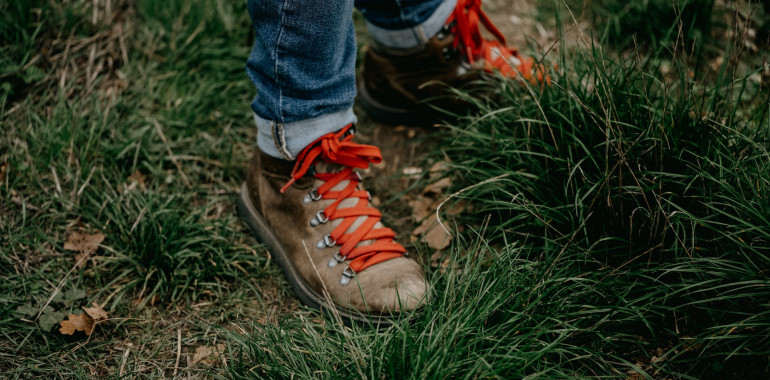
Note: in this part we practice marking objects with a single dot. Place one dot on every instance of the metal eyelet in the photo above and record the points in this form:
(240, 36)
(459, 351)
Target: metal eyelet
(347, 274)
(446, 53)
(311, 196)
(326, 242)
(320, 218)
(336, 259)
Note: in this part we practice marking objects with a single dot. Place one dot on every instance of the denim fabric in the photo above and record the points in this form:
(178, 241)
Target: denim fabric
(303, 61)
(414, 29)
(397, 14)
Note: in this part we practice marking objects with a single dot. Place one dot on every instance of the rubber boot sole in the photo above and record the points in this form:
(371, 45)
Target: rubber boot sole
(304, 292)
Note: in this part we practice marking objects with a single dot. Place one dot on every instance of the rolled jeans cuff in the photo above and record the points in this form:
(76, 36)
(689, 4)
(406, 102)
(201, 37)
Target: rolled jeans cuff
(415, 36)
(287, 140)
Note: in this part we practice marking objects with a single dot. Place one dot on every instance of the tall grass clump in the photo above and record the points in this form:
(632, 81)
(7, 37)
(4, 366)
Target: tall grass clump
(651, 188)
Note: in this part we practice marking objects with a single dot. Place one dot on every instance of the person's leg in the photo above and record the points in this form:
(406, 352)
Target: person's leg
(405, 24)
(303, 65)
(422, 48)
(302, 196)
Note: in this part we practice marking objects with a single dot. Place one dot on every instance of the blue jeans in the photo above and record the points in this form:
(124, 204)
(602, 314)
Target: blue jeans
(303, 61)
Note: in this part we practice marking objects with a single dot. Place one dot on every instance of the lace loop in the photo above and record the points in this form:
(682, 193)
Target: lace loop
(467, 19)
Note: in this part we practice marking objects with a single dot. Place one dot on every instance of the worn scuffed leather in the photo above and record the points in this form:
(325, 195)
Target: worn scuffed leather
(391, 286)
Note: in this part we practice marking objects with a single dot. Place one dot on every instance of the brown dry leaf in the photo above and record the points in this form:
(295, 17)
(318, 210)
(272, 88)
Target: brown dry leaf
(438, 186)
(421, 207)
(436, 261)
(137, 179)
(458, 208)
(202, 352)
(81, 322)
(208, 355)
(436, 237)
(3, 169)
(97, 313)
(84, 244)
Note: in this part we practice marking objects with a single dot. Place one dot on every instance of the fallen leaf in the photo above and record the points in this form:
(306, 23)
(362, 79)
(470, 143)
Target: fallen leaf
(435, 260)
(438, 186)
(436, 237)
(437, 178)
(137, 179)
(458, 208)
(437, 168)
(421, 207)
(96, 313)
(80, 322)
(84, 244)
(201, 353)
(208, 355)
(3, 168)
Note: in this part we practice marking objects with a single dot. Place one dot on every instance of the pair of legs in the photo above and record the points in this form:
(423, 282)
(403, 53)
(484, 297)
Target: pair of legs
(304, 56)
(302, 196)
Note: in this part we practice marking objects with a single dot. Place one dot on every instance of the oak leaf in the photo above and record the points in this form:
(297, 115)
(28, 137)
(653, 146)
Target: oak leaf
(96, 313)
(80, 322)
(83, 243)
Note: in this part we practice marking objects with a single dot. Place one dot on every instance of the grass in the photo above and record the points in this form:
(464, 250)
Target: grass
(619, 223)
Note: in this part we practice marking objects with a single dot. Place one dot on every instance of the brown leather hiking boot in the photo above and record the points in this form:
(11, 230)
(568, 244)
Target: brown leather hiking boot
(325, 234)
(399, 86)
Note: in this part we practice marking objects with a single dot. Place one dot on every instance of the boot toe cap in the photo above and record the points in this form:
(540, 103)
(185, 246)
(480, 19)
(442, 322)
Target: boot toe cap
(393, 286)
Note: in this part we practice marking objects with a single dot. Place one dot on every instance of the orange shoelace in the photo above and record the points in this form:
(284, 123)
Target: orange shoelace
(338, 148)
(496, 54)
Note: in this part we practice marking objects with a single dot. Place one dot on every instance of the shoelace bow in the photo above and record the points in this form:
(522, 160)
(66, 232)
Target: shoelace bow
(338, 148)
(496, 54)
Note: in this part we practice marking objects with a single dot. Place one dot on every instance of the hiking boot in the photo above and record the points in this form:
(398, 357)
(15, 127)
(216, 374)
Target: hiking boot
(319, 224)
(398, 85)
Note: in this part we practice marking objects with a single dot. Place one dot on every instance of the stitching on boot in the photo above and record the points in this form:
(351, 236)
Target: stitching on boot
(279, 139)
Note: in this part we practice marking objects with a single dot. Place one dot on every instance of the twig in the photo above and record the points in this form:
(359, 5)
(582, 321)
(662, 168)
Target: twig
(178, 349)
(56, 179)
(123, 361)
